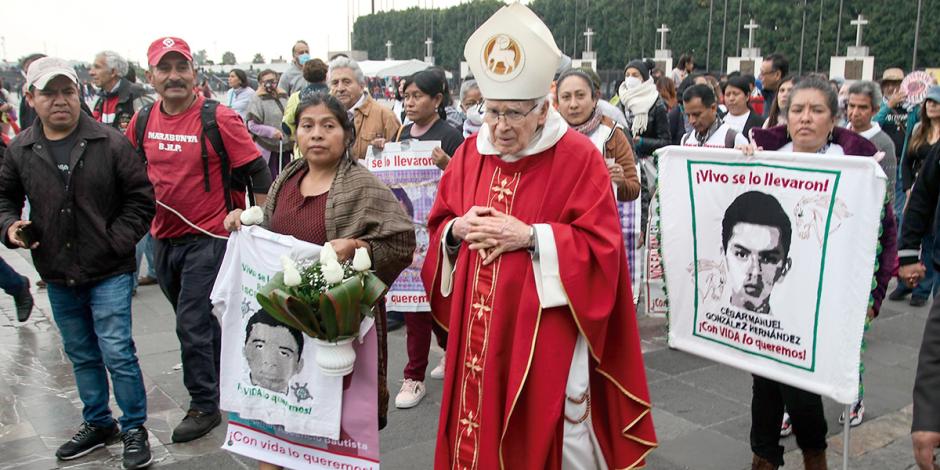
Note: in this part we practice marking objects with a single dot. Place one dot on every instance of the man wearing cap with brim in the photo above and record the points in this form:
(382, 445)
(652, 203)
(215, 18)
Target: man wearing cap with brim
(90, 201)
(189, 239)
(528, 273)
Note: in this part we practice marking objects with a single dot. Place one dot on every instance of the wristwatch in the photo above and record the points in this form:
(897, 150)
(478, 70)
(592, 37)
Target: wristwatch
(533, 241)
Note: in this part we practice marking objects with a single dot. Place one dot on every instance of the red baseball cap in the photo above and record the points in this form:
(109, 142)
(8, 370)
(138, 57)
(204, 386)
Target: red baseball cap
(162, 46)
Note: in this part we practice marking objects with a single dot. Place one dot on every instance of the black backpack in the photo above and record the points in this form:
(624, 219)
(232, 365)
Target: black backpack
(210, 131)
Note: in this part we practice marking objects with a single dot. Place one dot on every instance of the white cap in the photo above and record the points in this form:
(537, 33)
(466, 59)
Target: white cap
(513, 55)
(41, 71)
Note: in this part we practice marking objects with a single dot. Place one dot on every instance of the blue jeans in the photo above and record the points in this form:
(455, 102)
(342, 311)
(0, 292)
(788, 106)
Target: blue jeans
(145, 249)
(95, 322)
(10, 281)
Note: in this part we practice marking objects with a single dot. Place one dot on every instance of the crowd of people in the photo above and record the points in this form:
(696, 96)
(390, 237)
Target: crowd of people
(162, 173)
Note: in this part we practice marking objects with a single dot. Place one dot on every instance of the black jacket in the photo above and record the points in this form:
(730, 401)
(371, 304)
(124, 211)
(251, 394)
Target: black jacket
(131, 97)
(87, 229)
(657, 133)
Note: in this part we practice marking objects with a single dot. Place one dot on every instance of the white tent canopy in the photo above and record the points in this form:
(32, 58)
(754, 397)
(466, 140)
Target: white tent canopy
(392, 68)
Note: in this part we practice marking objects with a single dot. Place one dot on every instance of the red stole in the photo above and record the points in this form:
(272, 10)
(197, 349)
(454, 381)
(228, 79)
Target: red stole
(508, 359)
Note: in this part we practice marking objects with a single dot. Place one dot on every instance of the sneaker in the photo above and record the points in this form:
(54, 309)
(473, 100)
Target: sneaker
(438, 372)
(87, 439)
(900, 292)
(917, 301)
(24, 302)
(786, 427)
(195, 425)
(136, 448)
(411, 393)
(146, 281)
(858, 414)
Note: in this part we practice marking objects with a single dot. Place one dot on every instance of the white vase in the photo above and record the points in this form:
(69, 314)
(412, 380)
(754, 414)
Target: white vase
(335, 359)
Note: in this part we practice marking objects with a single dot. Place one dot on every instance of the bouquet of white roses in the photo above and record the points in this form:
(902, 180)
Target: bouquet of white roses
(326, 300)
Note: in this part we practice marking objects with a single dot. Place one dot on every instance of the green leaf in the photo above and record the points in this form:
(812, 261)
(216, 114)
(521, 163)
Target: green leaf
(276, 282)
(345, 298)
(328, 318)
(300, 309)
(281, 299)
(276, 311)
(372, 289)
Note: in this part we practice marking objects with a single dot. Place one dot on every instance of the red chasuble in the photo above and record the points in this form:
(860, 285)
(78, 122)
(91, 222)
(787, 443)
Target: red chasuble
(507, 358)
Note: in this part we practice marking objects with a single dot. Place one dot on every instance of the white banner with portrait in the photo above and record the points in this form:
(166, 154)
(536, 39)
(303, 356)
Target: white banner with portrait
(769, 261)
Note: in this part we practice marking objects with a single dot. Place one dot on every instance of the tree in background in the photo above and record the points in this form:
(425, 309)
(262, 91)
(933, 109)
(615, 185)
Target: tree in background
(626, 29)
(228, 58)
(259, 59)
(200, 57)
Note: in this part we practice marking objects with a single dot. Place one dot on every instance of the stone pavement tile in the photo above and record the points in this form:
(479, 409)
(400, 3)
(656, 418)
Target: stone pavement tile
(674, 362)
(22, 450)
(670, 426)
(16, 431)
(216, 461)
(161, 364)
(887, 389)
(904, 329)
(161, 424)
(705, 450)
(156, 342)
(876, 433)
(883, 351)
(207, 444)
(158, 401)
(655, 461)
(728, 382)
(698, 406)
(654, 376)
(416, 456)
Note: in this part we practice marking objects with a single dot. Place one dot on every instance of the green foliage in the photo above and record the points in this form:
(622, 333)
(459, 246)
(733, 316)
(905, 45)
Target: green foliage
(228, 58)
(319, 311)
(626, 29)
(258, 59)
(200, 57)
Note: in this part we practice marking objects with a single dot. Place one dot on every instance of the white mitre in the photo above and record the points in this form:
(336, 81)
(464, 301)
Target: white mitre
(513, 55)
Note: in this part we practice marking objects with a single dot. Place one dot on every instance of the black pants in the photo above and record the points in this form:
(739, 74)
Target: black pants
(186, 270)
(806, 415)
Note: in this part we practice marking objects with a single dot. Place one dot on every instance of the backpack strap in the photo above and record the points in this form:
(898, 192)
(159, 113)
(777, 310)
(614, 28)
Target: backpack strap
(140, 127)
(729, 138)
(212, 133)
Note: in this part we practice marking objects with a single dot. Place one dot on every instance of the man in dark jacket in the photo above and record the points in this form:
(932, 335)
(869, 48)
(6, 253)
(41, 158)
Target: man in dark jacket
(90, 201)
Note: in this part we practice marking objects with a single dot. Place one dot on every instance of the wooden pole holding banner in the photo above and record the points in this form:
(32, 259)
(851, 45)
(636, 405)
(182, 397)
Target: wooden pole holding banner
(845, 436)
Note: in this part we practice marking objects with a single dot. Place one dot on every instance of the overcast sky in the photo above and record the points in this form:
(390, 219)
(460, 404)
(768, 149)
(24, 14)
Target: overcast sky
(76, 30)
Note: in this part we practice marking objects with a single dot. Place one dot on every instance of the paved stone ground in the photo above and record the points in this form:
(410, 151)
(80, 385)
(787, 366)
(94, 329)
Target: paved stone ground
(701, 408)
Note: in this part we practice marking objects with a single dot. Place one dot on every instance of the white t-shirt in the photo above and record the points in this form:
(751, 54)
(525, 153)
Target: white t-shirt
(717, 140)
(736, 122)
(279, 384)
(833, 149)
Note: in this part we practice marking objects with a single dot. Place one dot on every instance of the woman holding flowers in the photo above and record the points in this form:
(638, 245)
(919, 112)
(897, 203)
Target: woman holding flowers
(326, 197)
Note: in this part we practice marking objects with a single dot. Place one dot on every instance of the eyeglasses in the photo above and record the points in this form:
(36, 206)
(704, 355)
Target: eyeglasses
(511, 116)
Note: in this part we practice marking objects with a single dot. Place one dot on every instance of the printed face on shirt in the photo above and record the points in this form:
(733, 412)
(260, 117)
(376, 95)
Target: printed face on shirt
(700, 117)
(58, 104)
(103, 76)
(756, 261)
(809, 120)
(345, 86)
(576, 101)
(320, 136)
(173, 77)
(273, 356)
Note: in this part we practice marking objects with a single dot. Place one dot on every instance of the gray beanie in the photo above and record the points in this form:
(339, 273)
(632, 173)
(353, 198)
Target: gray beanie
(639, 65)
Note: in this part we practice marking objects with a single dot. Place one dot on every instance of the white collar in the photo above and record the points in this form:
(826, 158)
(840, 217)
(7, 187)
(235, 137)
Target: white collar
(874, 129)
(362, 99)
(554, 129)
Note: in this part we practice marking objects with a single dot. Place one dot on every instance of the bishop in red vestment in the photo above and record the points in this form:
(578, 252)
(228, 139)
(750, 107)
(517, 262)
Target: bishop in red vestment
(528, 273)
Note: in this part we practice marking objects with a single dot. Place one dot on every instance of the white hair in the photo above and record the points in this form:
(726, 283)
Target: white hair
(466, 86)
(114, 61)
(346, 63)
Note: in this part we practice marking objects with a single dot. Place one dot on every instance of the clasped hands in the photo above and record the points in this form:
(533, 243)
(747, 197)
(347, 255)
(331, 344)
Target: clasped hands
(491, 232)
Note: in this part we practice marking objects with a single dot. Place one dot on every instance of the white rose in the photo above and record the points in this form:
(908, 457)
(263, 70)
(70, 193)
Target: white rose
(252, 216)
(361, 261)
(291, 274)
(332, 272)
(327, 254)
